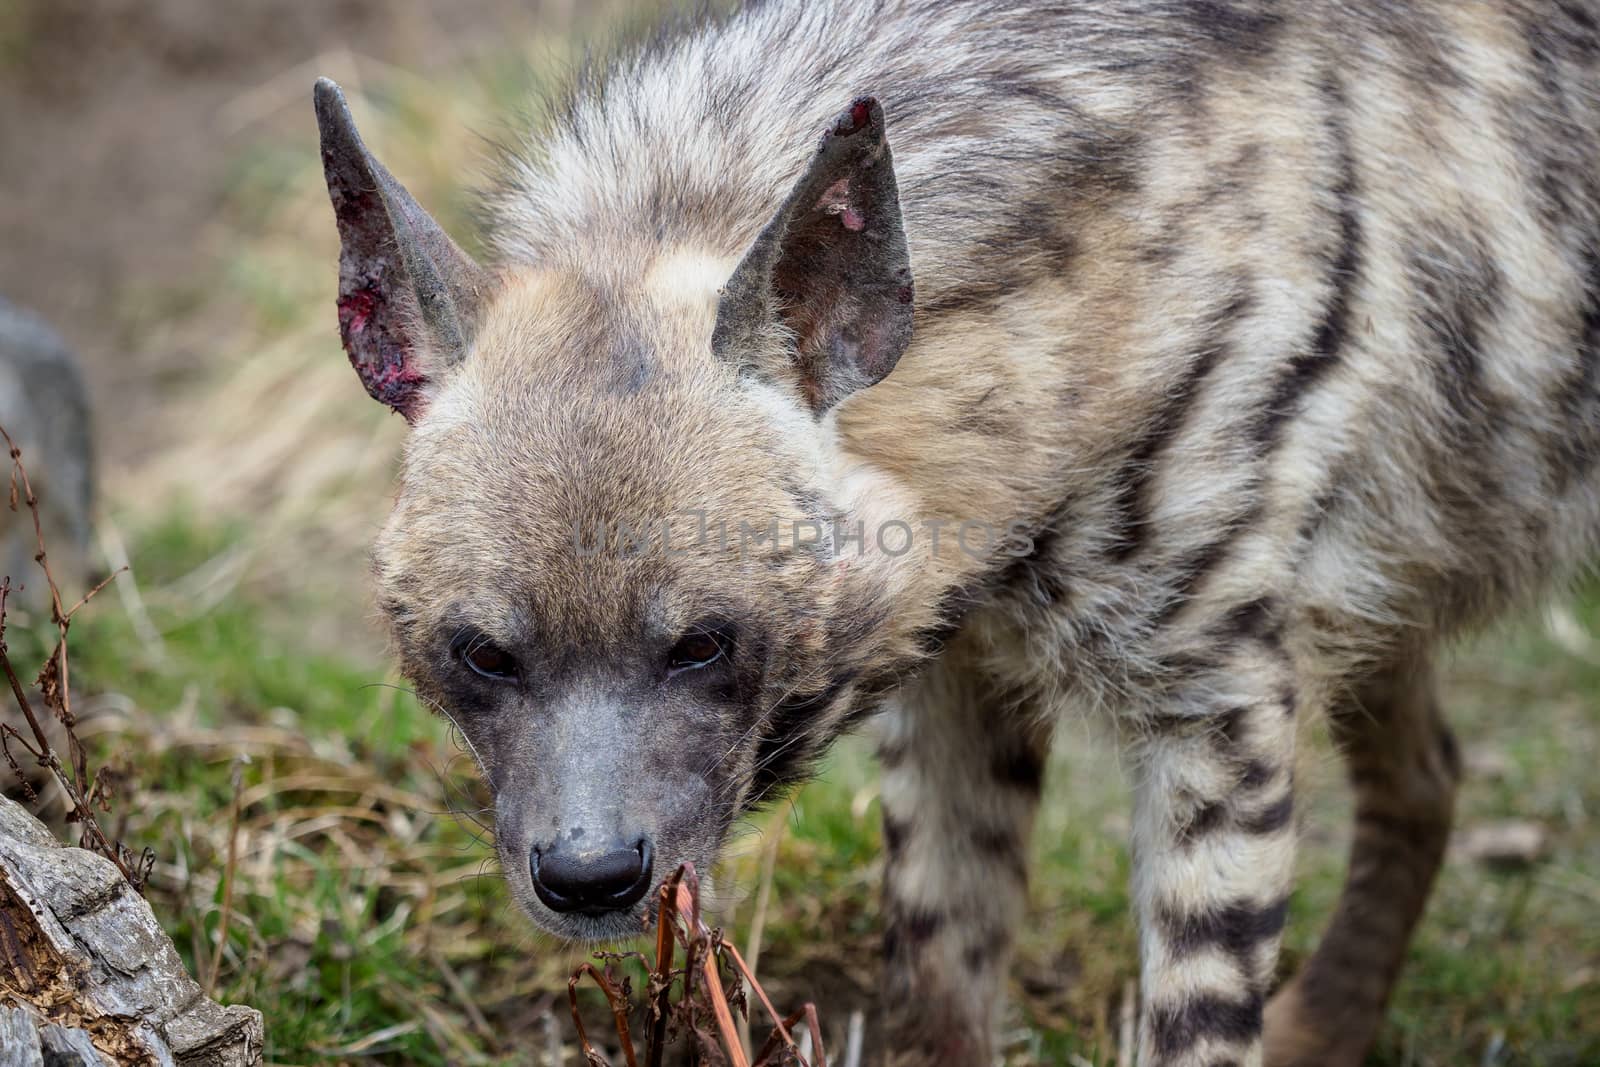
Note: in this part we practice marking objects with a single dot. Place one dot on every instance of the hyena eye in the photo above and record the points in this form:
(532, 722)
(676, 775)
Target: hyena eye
(488, 659)
(698, 648)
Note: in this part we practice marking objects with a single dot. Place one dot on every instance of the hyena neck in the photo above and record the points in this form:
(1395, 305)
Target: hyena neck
(953, 466)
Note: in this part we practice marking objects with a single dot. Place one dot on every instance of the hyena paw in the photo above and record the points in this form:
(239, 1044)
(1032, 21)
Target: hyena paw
(1298, 1035)
(920, 1038)
(917, 1052)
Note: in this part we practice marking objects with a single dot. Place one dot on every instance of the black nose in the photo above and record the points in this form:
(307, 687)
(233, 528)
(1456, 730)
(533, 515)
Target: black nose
(592, 880)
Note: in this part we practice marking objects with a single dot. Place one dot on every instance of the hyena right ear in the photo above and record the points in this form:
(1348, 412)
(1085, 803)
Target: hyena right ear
(407, 295)
(829, 278)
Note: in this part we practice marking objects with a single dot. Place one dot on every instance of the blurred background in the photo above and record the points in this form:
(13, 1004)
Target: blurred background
(163, 217)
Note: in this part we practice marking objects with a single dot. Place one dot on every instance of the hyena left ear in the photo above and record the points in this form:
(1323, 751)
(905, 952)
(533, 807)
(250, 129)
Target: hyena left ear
(831, 271)
(407, 295)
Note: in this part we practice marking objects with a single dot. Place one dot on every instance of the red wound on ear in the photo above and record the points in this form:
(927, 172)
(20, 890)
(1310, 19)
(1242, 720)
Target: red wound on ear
(858, 116)
(832, 268)
(379, 359)
(836, 201)
(383, 359)
(407, 294)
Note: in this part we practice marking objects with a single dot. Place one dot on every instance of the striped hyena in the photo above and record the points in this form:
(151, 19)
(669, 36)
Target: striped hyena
(1239, 351)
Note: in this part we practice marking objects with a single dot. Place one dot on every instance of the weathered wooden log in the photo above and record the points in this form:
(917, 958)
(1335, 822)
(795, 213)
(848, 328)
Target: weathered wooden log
(85, 967)
(27, 1041)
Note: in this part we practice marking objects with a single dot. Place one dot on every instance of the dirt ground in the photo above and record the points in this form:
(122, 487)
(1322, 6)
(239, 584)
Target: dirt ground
(119, 121)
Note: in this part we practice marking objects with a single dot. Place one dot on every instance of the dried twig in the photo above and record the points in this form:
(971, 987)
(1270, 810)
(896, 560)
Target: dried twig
(86, 795)
(227, 874)
(660, 991)
(619, 1011)
(678, 921)
(758, 923)
(1125, 1024)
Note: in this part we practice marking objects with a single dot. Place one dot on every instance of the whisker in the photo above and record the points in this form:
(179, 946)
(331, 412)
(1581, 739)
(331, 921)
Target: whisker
(486, 831)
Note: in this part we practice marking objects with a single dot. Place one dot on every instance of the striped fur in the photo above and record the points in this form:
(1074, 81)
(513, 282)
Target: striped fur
(1271, 334)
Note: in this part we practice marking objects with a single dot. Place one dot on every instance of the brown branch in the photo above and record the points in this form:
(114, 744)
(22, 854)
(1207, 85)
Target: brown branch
(678, 920)
(775, 1040)
(814, 1025)
(619, 1012)
(91, 594)
(54, 681)
(661, 978)
(16, 683)
(780, 1029)
(688, 904)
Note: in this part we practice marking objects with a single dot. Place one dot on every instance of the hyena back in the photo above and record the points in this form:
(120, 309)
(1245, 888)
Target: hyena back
(1274, 329)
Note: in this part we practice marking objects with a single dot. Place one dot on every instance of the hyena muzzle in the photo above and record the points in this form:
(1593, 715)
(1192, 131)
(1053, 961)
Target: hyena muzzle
(1207, 363)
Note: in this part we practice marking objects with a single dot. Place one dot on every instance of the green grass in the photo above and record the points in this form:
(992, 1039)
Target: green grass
(325, 936)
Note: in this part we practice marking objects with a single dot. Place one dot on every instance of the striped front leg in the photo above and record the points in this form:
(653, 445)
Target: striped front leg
(963, 763)
(1213, 859)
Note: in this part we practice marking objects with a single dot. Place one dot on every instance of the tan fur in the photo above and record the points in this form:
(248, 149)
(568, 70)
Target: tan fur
(1269, 333)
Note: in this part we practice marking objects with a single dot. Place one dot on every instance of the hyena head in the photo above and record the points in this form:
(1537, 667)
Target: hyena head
(613, 557)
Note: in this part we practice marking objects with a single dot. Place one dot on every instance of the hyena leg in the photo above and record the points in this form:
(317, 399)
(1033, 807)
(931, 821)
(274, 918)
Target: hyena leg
(962, 769)
(1404, 768)
(1213, 860)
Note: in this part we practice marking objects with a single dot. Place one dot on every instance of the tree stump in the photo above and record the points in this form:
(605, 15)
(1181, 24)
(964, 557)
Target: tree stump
(87, 975)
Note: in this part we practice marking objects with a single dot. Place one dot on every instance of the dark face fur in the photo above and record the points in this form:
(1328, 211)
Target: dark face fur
(609, 560)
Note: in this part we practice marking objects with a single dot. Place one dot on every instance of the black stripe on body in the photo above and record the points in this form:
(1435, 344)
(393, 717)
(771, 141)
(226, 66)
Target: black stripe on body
(1018, 765)
(1036, 571)
(907, 931)
(1194, 569)
(1459, 293)
(1254, 620)
(1308, 367)
(1234, 28)
(1000, 845)
(894, 835)
(1272, 819)
(1175, 1029)
(1238, 930)
(1229, 815)
(1132, 506)
(1578, 398)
